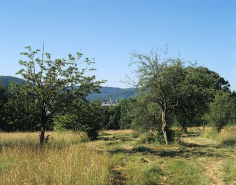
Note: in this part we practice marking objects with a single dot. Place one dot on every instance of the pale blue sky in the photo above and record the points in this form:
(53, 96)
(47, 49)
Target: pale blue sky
(109, 30)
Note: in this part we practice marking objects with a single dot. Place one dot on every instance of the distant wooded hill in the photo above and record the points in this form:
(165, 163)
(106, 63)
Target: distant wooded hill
(113, 93)
(105, 95)
(7, 79)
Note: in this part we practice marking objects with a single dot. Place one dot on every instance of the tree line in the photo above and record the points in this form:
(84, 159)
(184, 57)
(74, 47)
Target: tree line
(169, 93)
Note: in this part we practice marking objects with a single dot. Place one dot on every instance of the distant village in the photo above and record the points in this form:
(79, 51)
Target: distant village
(110, 103)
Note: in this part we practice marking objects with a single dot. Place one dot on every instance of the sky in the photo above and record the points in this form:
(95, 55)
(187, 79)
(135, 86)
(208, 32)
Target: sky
(110, 30)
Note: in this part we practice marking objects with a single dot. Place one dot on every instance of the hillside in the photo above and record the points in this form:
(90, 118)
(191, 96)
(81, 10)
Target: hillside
(113, 93)
(7, 79)
(105, 95)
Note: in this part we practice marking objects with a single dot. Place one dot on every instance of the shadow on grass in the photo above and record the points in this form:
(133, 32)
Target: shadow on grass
(228, 143)
(189, 151)
(189, 134)
(113, 138)
(194, 145)
(104, 134)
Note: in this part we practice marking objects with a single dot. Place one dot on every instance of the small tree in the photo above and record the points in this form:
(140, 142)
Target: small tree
(220, 109)
(52, 85)
(163, 79)
(82, 116)
(125, 107)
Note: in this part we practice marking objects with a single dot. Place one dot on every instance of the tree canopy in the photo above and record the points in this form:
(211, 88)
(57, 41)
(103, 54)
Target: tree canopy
(173, 90)
(52, 85)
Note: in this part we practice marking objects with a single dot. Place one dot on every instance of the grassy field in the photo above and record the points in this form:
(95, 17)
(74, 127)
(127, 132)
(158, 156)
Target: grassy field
(118, 157)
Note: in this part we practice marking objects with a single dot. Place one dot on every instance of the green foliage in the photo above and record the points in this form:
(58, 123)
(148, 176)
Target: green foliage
(125, 107)
(199, 86)
(162, 80)
(64, 122)
(3, 101)
(116, 117)
(51, 86)
(81, 116)
(144, 114)
(21, 111)
(232, 118)
(219, 114)
(172, 93)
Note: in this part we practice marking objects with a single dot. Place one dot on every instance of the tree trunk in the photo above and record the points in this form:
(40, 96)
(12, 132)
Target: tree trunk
(184, 129)
(164, 127)
(42, 135)
(43, 127)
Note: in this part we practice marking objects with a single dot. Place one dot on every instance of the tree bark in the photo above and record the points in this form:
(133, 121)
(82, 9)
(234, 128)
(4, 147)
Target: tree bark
(184, 129)
(43, 127)
(164, 127)
(42, 135)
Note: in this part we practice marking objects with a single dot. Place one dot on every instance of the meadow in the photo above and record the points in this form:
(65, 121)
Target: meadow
(119, 157)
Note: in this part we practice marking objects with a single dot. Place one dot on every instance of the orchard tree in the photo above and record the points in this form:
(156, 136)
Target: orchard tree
(220, 110)
(125, 107)
(53, 85)
(163, 78)
(200, 86)
(145, 114)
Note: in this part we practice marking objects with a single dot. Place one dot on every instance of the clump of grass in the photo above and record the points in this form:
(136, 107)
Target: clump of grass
(135, 134)
(181, 171)
(147, 138)
(135, 169)
(226, 137)
(229, 171)
(142, 171)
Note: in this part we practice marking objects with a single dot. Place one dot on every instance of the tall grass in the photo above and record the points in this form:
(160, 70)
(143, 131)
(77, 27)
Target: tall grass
(227, 136)
(62, 161)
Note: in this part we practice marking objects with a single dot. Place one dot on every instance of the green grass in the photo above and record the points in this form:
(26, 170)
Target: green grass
(229, 171)
(182, 171)
(5, 165)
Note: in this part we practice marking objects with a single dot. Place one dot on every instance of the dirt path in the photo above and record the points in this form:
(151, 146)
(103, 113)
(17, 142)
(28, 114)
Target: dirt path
(212, 171)
(211, 166)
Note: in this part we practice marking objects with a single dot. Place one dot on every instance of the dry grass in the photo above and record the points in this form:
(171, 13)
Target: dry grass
(118, 157)
(226, 137)
(32, 138)
(62, 161)
(115, 132)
